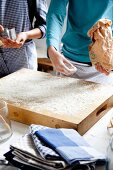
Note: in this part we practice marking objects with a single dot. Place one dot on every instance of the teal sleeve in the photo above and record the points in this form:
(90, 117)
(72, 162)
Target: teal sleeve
(55, 21)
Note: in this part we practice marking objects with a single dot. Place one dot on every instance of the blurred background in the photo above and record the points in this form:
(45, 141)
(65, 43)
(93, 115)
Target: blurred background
(41, 44)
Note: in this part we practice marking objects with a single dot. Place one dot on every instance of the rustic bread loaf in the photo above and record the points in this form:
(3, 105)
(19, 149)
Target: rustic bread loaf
(101, 48)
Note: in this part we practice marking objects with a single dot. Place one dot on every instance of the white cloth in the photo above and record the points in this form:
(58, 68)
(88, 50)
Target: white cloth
(89, 73)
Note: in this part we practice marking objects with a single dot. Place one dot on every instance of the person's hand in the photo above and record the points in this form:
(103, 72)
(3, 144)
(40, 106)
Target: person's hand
(101, 69)
(9, 43)
(22, 37)
(1, 28)
(60, 63)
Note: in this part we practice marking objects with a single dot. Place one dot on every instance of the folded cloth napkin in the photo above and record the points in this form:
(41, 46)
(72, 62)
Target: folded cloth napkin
(69, 145)
(23, 149)
(44, 150)
(15, 161)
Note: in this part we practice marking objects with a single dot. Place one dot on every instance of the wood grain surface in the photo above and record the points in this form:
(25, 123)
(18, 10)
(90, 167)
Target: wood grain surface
(37, 97)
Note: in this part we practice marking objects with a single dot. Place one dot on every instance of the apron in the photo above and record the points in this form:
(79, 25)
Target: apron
(15, 14)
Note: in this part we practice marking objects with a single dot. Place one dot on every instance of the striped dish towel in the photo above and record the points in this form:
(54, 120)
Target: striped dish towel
(45, 151)
(71, 146)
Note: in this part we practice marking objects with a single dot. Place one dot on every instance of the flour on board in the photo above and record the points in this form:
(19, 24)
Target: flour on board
(44, 93)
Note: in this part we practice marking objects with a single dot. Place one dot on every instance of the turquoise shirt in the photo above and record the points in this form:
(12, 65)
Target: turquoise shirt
(81, 16)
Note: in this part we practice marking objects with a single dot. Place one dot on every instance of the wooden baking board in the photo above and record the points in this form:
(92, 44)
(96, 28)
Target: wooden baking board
(37, 97)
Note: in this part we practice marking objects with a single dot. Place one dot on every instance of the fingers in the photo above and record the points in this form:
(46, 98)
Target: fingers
(101, 69)
(68, 63)
(21, 42)
(69, 71)
(60, 63)
(8, 43)
(69, 67)
(19, 39)
(1, 28)
(66, 69)
(1, 43)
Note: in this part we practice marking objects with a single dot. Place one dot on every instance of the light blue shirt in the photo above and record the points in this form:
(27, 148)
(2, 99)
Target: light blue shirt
(81, 16)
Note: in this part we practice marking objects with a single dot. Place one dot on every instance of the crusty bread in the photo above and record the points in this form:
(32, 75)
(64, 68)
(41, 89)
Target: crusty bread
(101, 48)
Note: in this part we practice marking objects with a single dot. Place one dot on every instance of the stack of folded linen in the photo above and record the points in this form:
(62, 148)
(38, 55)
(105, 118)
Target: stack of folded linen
(47, 148)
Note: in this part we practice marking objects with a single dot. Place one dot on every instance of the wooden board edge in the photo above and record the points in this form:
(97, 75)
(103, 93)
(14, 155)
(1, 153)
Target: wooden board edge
(96, 115)
(28, 117)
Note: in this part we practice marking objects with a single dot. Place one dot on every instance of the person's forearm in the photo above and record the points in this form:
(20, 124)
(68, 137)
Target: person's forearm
(55, 21)
(51, 51)
(34, 33)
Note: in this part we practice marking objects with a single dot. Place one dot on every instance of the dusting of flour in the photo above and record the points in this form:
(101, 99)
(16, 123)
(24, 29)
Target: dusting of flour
(53, 95)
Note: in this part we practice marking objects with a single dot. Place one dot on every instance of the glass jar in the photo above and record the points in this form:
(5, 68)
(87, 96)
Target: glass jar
(5, 124)
(9, 33)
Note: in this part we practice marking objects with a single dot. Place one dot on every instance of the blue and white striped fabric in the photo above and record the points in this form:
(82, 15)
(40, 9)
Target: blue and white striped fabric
(69, 145)
(15, 14)
(45, 152)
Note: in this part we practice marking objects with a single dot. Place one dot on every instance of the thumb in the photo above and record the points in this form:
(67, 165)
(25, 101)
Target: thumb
(18, 39)
(1, 28)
